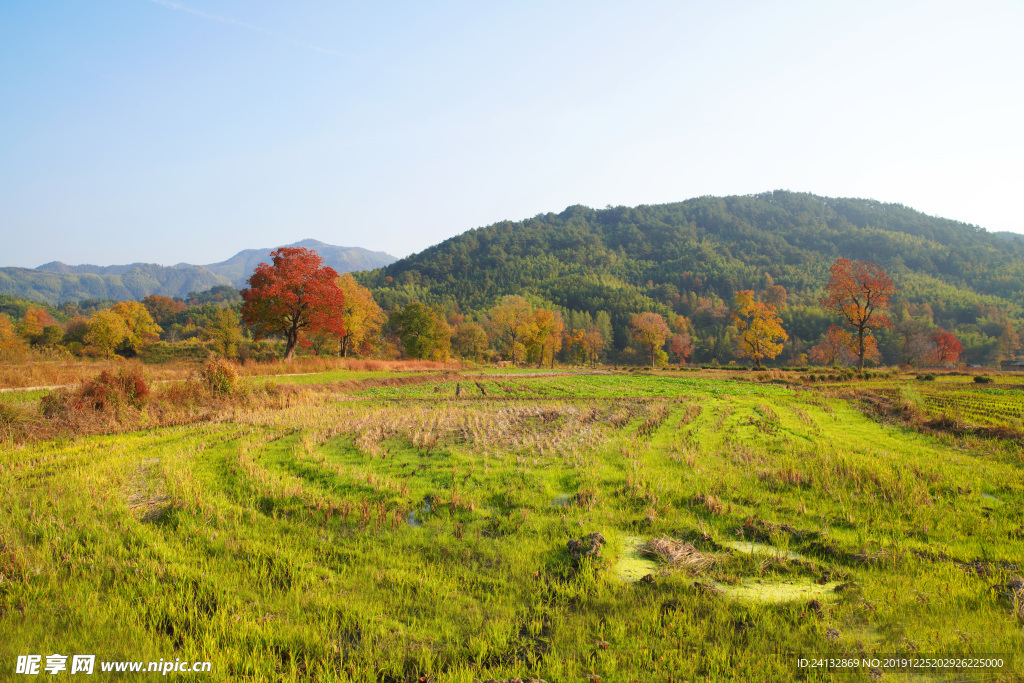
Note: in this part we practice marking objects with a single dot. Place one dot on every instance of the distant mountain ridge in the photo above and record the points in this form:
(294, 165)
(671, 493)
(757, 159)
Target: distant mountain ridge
(56, 282)
(239, 267)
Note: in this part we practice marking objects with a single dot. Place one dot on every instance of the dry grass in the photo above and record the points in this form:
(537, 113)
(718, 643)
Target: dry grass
(710, 503)
(317, 364)
(66, 372)
(121, 400)
(50, 373)
(679, 554)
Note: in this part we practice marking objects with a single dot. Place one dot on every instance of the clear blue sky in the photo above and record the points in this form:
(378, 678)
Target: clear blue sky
(159, 131)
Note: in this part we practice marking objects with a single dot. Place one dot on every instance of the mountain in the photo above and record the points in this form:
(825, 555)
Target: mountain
(57, 282)
(239, 267)
(689, 258)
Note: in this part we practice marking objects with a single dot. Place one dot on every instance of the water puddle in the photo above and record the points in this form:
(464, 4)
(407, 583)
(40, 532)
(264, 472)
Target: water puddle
(755, 548)
(632, 566)
(413, 519)
(989, 497)
(754, 590)
(561, 500)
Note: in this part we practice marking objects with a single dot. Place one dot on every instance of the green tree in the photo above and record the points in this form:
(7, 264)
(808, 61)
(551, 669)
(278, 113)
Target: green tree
(470, 340)
(222, 328)
(423, 331)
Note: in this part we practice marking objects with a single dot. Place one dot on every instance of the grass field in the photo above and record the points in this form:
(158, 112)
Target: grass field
(438, 530)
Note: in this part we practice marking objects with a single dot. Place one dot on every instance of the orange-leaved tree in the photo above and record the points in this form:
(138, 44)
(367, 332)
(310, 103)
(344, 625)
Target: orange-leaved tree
(11, 345)
(833, 348)
(163, 309)
(650, 331)
(294, 296)
(593, 344)
(33, 323)
(681, 344)
(859, 292)
(760, 327)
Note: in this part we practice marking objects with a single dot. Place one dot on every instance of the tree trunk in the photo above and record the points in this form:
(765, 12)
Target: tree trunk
(293, 339)
(860, 347)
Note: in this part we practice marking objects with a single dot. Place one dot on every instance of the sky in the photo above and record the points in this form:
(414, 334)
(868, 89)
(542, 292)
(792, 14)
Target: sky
(161, 131)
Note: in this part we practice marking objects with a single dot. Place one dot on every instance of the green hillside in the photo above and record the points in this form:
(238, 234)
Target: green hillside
(688, 257)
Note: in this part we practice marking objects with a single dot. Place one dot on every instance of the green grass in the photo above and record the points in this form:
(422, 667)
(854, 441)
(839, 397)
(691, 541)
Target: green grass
(278, 544)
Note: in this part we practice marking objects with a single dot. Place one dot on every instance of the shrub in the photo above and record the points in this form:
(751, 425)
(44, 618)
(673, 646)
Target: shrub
(110, 390)
(107, 392)
(8, 415)
(220, 376)
(982, 379)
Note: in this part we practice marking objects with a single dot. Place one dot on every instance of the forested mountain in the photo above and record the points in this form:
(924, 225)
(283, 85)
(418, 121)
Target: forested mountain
(689, 258)
(57, 282)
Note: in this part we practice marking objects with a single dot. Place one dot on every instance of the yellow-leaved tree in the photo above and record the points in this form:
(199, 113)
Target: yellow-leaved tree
(142, 329)
(361, 315)
(546, 336)
(760, 328)
(106, 332)
(512, 322)
(126, 326)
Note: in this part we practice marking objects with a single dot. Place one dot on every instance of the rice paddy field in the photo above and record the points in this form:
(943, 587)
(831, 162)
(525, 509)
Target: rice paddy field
(568, 526)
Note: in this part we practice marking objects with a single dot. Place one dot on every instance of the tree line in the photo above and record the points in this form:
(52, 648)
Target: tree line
(314, 310)
(300, 299)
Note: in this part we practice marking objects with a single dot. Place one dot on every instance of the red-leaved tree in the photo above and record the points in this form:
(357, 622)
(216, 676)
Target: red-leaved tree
(859, 292)
(947, 347)
(294, 296)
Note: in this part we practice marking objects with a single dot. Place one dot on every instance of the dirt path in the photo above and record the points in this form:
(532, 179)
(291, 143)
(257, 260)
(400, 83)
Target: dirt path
(544, 373)
(13, 389)
(159, 381)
